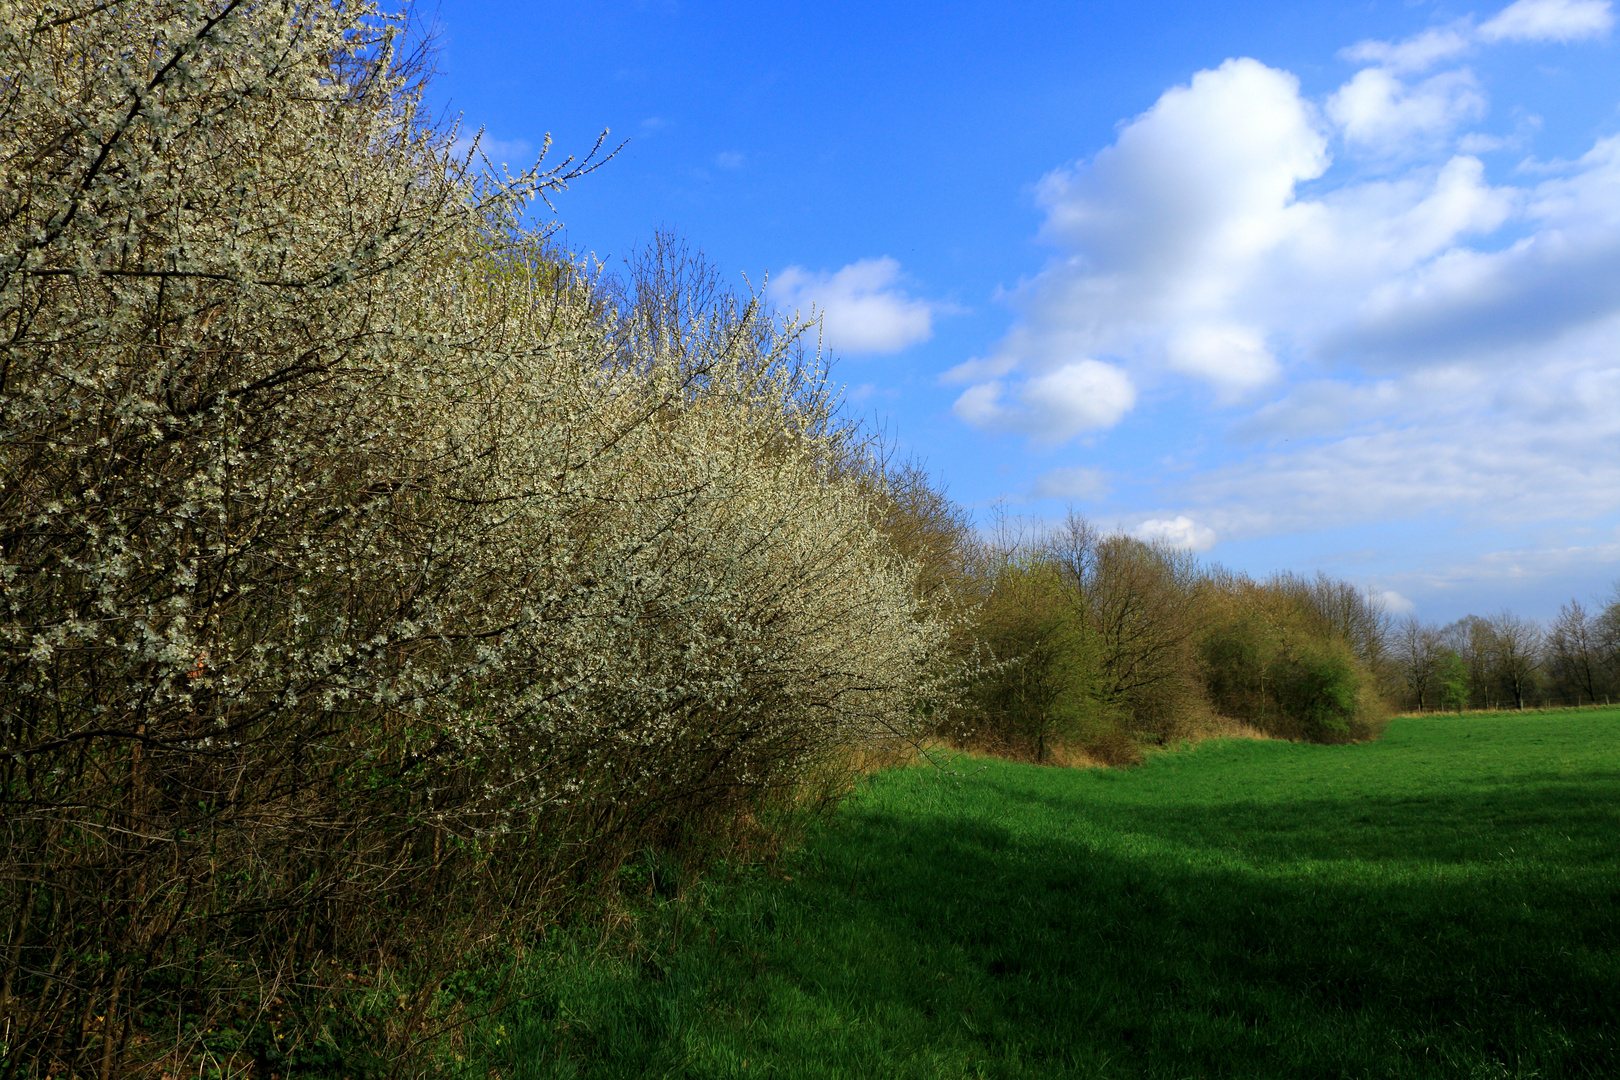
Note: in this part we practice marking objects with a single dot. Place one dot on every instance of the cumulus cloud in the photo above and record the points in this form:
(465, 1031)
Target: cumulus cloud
(1180, 531)
(1078, 397)
(1159, 233)
(980, 405)
(1053, 407)
(1410, 337)
(1186, 249)
(1503, 306)
(863, 307)
(1203, 174)
(1377, 111)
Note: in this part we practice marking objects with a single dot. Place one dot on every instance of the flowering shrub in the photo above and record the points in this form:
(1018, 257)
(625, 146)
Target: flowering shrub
(372, 574)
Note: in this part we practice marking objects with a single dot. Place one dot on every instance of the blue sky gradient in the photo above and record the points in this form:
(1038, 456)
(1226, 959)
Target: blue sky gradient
(1302, 286)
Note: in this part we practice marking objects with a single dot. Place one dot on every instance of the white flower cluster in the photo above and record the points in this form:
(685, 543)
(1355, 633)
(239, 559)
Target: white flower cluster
(331, 499)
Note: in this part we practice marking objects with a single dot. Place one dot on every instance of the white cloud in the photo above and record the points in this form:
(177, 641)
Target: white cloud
(1493, 448)
(1380, 111)
(1184, 248)
(1525, 20)
(729, 159)
(1410, 338)
(1083, 396)
(1159, 233)
(1234, 358)
(1503, 306)
(1549, 20)
(981, 406)
(1204, 172)
(1180, 531)
(1052, 408)
(1070, 483)
(1396, 604)
(519, 153)
(862, 307)
(1477, 142)
(1377, 111)
(1417, 53)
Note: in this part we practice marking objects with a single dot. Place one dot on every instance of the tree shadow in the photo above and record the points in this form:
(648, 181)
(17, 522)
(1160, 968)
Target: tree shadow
(1360, 936)
(1243, 939)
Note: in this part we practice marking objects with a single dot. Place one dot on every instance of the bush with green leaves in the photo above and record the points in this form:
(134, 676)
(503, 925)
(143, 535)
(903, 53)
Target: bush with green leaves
(1275, 657)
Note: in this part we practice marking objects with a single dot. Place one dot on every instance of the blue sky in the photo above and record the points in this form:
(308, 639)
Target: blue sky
(1299, 286)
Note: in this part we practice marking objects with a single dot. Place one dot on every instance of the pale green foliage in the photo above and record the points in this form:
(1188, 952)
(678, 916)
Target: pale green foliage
(343, 526)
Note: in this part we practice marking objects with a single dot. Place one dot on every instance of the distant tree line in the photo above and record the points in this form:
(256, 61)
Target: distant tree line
(1507, 661)
(1076, 639)
(1104, 643)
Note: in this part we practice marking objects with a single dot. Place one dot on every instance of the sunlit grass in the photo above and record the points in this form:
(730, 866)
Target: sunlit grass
(1442, 903)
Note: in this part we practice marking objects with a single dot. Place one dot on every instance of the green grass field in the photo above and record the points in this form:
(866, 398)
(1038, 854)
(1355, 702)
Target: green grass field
(1443, 903)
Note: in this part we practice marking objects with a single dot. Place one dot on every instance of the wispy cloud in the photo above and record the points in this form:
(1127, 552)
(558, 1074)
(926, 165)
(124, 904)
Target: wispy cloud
(1549, 20)
(1074, 482)
(1416, 53)
(1525, 21)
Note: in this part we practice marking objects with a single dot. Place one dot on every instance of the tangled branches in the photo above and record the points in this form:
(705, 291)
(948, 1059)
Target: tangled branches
(372, 574)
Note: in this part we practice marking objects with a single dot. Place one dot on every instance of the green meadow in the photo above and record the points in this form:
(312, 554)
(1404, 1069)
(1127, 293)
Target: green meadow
(1444, 902)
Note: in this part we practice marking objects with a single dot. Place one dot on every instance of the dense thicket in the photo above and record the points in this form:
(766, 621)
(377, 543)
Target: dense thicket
(1295, 657)
(1105, 644)
(373, 576)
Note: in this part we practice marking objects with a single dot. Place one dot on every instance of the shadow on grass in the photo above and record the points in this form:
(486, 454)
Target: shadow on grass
(1010, 931)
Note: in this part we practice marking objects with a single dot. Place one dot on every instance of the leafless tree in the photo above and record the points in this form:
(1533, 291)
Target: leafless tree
(1575, 651)
(1140, 605)
(1515, 654)
(1418, 652)
(1606, 633)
